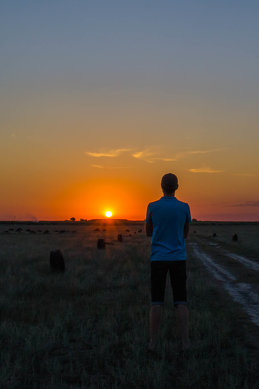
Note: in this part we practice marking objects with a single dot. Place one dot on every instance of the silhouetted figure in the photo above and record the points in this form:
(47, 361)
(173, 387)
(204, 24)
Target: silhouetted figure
(167, 222)
(57, 263)
(235, 238)
(101, 244)
(214, 235)
(120, 238)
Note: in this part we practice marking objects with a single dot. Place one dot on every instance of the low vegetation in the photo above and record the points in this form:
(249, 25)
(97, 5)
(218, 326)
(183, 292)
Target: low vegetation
(88, 328)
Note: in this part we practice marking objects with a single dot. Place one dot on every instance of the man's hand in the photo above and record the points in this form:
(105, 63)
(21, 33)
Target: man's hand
(149, 229)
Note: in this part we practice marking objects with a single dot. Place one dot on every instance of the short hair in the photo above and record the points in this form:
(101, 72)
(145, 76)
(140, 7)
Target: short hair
(169, 183)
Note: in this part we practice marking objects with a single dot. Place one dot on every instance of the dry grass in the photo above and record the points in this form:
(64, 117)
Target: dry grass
(88, 328)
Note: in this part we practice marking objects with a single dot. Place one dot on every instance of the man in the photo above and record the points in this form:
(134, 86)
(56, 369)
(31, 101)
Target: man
(167, 222)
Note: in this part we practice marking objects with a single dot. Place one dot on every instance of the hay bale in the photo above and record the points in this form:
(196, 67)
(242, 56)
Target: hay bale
(235, 238)
(120, 239)
(56, 261)
(101, 244)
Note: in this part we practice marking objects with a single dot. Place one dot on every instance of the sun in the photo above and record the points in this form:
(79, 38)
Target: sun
(108, 213)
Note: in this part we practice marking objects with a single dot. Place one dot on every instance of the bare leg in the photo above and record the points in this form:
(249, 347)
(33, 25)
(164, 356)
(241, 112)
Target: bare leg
(182, 317)
(154, 318)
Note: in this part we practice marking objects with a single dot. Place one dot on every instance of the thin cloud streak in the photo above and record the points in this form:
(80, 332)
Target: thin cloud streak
(247, 204)
(110, 154)
(204, 170)
(148, 154)
(196, 152)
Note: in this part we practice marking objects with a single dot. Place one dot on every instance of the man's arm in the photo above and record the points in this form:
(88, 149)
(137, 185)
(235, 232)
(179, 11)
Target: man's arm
(149, 228)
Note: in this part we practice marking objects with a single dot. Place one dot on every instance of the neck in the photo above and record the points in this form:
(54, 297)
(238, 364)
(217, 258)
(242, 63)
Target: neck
(169, 194)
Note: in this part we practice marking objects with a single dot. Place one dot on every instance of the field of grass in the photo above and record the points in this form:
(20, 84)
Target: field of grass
(248, 235)
(88, 328)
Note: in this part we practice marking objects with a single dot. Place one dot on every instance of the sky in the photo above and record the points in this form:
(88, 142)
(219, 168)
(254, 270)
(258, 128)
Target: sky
(99, 99)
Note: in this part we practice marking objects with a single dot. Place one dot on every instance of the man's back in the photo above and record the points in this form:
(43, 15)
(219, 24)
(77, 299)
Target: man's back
(168, 217)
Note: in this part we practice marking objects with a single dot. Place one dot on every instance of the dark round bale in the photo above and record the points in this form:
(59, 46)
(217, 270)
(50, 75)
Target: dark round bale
(56, 261)
(19, 229)
(120, 239)
(235, 238)
(101, 244)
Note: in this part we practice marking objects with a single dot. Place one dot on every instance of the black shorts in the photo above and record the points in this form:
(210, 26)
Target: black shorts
(177, 271)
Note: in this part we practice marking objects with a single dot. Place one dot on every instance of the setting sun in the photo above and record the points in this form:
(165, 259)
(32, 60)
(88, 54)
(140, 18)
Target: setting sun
(108, 214)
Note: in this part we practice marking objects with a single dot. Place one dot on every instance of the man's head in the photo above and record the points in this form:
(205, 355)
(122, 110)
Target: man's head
(169, 183)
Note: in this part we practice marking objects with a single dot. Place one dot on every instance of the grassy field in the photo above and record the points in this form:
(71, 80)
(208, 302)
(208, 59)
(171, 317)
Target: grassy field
(248, 235)
(88, 328)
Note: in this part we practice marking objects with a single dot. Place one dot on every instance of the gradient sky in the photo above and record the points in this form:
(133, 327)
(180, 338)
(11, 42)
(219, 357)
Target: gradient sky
(98, 99)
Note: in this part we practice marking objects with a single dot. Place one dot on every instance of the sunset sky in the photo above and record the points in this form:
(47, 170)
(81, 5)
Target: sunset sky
(99, 99)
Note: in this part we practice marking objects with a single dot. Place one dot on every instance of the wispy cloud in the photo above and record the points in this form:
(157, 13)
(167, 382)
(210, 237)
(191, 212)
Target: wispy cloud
(151, 156)
(204, 170)
(109, 167)
(111, 153)
(98, 166)
(247, 204)
(184, 154)
(146, 155)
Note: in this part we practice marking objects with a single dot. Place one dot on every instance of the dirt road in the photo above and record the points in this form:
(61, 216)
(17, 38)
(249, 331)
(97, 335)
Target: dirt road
(238, 274)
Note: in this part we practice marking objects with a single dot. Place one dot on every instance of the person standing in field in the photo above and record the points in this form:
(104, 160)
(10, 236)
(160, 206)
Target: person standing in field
(167, 221)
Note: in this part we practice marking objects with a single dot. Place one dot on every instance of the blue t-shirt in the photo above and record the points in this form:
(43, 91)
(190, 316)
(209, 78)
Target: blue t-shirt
(168, 216)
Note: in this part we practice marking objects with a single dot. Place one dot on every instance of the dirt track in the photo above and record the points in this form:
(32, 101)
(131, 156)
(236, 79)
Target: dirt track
(238, 274)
